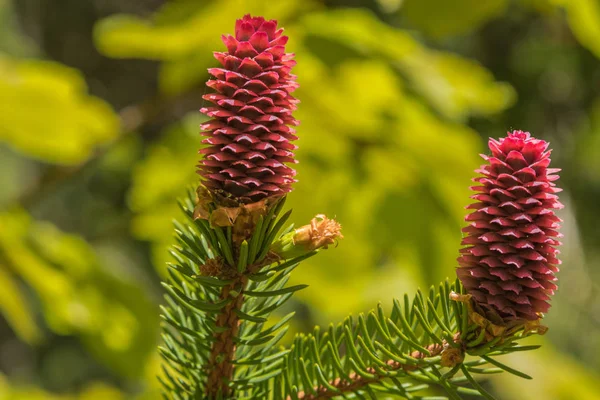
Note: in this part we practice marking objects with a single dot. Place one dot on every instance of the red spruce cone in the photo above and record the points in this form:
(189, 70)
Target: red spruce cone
(509, 263)
(248, 135)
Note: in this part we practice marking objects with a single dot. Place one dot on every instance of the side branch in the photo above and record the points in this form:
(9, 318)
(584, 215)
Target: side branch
(356, 382)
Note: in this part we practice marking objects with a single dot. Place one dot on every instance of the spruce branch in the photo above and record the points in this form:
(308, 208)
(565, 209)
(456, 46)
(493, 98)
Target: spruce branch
(220, 363)
(235, 219)
(436, 339)
(507, 269)
(219, 296)
(356, 382)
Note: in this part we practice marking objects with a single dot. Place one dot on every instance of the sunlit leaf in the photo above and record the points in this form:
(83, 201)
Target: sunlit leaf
(170, 38)
(450, 17)
(94, 391)
(15, 307)
(456, 86)
(391, 174)
(184, 36)
(47, 114)
(114, 317)
(159, 179)
(584, 19)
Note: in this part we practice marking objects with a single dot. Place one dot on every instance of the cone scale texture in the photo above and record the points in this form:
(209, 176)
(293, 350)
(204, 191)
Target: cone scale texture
(509, 261)
(249, 133)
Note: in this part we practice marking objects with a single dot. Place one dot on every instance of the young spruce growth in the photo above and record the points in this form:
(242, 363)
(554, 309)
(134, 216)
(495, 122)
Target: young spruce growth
(234, 257)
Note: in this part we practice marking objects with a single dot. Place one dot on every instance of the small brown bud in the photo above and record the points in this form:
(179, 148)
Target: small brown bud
(212, 267)
(452, 356)
(320, 233)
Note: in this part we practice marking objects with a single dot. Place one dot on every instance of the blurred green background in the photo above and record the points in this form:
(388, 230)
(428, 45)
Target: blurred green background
(99, 136)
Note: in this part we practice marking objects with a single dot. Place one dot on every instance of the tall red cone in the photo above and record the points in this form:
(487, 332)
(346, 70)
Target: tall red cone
(249, 132)
(509, 261)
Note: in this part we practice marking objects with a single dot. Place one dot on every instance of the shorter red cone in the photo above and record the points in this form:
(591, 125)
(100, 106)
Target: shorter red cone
(509, 261)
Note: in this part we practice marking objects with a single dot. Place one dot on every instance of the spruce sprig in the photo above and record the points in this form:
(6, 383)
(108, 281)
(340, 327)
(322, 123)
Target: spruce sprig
(421, 343)
(218, 345)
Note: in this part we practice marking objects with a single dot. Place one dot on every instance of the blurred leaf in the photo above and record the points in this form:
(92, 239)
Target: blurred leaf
(587, 149)
(16, 174)
(152, 370)
(557, 376)
(94, 391)
(389, 6)
(392, 173)
(11, 40)
(47, 114)
(584, 19)
(184, 73)
(161, 177)
(455, 86)
(173, 37)
(184, 35)
(99, 392)
(450, 17)
(114, 318)
(15, 307)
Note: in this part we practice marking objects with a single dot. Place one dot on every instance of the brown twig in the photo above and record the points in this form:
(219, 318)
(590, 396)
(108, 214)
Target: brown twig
(355, 381)
(220, 365)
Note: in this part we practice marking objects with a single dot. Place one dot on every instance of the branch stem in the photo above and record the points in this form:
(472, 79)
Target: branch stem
(356, 382)
(220, 365)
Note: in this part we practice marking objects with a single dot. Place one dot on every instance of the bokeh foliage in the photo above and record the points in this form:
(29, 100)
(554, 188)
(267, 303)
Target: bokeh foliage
(47, 114)
(396, 99)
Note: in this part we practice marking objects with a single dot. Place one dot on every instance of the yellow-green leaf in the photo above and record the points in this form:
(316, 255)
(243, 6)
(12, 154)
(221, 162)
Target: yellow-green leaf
(47, 113)
(584, 19)
(113, 317)
(455, 86)
(126, 36)
(15, 308)
(450, 17)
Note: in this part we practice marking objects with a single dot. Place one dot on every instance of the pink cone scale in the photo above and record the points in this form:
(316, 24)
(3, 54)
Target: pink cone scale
(510, 259)
(249, 133)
